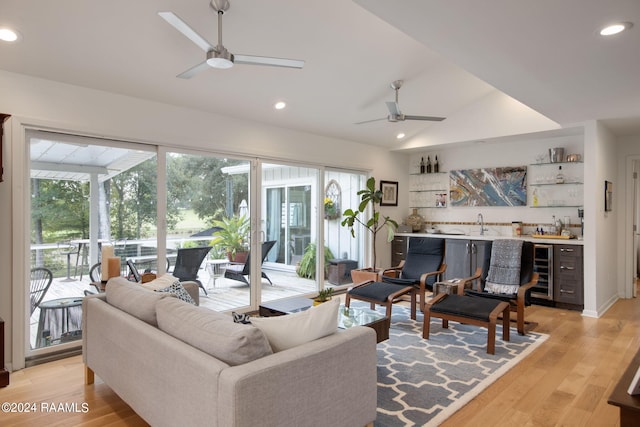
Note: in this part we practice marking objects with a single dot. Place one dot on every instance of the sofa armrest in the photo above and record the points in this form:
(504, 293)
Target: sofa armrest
(329, 381)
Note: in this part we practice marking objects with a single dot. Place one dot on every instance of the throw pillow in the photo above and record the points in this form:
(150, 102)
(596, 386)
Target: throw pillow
(178, 291)
(289, 331)
(241, 317)
(161, 282)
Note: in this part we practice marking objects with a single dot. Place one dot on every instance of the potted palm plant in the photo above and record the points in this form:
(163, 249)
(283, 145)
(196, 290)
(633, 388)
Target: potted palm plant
(233, 236)
(369, 197)
(307, 266)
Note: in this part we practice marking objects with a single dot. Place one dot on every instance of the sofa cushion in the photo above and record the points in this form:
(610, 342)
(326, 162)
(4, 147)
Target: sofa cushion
(212, 332)
(134, 299)
(176, 289)
(294, 329)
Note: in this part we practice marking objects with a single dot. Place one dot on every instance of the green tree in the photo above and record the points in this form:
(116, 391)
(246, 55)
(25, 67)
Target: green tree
(210, 188)
(60, 210)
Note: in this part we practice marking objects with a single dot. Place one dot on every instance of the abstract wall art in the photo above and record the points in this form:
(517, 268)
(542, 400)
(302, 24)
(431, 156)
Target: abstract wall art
(502, 186)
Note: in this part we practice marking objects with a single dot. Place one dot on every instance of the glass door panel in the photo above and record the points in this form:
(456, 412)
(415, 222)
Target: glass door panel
(289, 215)
(340, 193)
(208, 207)
(85, 193)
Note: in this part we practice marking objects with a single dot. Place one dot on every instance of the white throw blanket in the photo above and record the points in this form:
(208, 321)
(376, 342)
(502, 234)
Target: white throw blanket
(504, 270)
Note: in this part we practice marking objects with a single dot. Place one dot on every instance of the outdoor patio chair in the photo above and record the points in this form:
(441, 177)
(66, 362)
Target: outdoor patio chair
(41, 279)
(239, 272)
(423, 266)
(188, 262)
(95, 272)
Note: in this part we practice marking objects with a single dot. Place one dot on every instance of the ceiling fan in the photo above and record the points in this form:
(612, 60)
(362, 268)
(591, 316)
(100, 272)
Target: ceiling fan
(219, 56)
(395, 115)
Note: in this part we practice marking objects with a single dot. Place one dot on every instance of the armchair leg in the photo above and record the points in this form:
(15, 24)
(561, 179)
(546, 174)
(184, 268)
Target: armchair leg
(413, 306)
(520, 319)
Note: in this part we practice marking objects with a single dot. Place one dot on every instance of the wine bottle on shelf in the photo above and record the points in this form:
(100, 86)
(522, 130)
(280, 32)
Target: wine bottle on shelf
(560, 176)
(428, 164)
(436, 167)
(422, 165)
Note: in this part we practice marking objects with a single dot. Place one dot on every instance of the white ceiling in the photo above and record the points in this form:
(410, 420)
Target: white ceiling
(544, 53)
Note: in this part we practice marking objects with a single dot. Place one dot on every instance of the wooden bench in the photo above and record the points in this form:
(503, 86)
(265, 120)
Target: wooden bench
(469, 310)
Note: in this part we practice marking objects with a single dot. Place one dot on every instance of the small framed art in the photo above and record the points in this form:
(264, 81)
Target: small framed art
(608, 196)
(389, 193)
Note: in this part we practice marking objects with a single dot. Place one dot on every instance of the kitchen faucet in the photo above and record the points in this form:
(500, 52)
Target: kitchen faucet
(481, 222)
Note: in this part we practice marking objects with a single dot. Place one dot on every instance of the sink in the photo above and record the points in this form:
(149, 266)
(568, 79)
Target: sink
(450, 233)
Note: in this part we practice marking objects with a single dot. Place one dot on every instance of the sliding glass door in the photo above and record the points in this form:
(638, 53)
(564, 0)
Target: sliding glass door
(85, 193)
(208, 226)
(245, 237)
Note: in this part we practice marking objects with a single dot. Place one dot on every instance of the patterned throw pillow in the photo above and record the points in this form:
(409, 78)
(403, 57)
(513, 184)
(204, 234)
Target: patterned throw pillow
(179, 291)
(241, 318)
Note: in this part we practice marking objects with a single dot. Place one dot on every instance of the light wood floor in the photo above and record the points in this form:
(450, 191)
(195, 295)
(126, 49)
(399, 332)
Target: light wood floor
(565, 382)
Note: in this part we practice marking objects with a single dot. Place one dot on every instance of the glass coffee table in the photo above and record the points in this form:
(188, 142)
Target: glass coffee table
(349, 317)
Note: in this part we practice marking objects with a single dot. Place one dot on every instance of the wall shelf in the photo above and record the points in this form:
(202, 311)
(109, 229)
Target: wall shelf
(542, 184)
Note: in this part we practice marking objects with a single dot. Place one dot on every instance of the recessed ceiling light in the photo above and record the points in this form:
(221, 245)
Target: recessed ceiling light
(279, 105)
(8, 35)
(400, 135)
(616, 28)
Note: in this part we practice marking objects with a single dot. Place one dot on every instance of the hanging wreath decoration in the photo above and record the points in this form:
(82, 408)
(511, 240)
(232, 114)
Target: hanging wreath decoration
(332, 196)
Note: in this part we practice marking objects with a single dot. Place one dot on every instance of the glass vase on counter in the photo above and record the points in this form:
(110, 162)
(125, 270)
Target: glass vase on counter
(415, 220)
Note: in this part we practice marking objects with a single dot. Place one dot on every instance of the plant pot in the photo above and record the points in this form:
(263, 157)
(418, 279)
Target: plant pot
(318, 302)
(365, 274)
(240, 257)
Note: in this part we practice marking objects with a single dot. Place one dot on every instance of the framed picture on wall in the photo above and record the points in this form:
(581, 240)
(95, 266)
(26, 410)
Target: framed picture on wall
(389, 193)
(608, 196)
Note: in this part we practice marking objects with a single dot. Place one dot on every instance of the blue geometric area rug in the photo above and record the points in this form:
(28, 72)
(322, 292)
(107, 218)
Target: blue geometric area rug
(423, 382)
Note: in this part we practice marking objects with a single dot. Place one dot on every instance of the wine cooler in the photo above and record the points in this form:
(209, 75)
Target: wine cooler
(543, 265)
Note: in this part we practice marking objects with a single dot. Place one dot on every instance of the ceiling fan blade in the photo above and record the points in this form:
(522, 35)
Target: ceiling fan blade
(394, 108)
(369, 121)
(425, 118)
(194, 70)
(176, 22)
(265, 60)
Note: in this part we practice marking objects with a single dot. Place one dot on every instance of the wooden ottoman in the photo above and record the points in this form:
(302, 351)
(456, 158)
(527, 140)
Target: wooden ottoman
(470, 310)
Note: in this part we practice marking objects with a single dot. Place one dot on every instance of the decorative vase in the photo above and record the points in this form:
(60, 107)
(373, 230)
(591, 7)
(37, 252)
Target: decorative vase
(415, 221)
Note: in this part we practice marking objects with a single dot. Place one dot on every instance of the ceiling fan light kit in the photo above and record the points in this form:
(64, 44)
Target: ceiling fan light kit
(218, 56)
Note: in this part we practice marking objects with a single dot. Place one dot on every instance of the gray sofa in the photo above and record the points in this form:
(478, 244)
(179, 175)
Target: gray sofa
(130, 342)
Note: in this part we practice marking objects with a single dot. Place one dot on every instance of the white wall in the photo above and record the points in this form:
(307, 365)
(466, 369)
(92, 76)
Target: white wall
(497, 154)
(47, 104)
(600, 244)
(628, 151)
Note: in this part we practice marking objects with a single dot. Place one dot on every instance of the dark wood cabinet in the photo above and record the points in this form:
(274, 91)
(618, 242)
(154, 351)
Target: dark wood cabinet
(399, 249)
(4, 374)
(463, 256)
(568, 275)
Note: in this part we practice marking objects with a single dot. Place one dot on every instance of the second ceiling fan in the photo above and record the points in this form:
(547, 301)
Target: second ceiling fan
(395, 115)
(219, 56)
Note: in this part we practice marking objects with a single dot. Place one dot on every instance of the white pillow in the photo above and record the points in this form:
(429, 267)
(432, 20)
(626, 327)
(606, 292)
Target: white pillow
(160, 283)
(288, 331)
